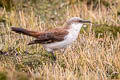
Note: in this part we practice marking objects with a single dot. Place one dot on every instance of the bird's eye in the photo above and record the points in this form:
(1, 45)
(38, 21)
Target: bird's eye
(80, 21)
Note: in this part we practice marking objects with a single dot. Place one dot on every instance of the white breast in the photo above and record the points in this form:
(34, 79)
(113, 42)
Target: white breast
(69, 39)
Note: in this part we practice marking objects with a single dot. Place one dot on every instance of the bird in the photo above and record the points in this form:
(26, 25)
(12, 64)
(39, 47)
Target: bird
(56, 38)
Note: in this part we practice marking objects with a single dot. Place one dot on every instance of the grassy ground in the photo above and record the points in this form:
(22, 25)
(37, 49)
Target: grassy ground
(94, 56)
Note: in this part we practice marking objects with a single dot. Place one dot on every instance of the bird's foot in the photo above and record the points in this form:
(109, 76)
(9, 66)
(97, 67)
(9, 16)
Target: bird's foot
(54, 57)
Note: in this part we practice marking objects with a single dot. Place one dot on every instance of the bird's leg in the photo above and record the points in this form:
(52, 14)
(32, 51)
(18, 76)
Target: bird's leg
(54, 57)
(51, 52)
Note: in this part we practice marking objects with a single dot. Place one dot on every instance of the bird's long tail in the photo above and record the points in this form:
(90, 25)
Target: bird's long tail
(25, 32)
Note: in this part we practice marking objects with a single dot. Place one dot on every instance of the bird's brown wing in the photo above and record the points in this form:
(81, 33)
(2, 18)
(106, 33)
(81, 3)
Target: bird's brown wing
(54, 35)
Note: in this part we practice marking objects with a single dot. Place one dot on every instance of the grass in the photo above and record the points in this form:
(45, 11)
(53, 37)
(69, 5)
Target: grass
(94, 56)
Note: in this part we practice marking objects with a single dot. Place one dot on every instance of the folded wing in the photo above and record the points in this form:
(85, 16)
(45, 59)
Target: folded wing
(54, 35)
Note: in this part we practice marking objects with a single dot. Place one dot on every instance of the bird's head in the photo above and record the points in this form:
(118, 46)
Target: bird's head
(76, 20)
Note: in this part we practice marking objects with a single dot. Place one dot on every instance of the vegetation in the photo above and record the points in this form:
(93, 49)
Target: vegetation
(94, 56)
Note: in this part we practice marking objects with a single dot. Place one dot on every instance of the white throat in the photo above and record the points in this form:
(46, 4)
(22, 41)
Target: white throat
(74, 31)
(75, 28)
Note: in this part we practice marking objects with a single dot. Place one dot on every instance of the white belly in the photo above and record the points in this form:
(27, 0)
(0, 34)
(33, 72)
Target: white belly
(62, 44)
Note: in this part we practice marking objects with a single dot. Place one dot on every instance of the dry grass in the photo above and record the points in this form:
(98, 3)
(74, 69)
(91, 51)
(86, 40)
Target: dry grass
(89, 58)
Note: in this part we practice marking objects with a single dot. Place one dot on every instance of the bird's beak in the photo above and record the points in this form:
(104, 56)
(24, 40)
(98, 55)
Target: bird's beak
(86, 21)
